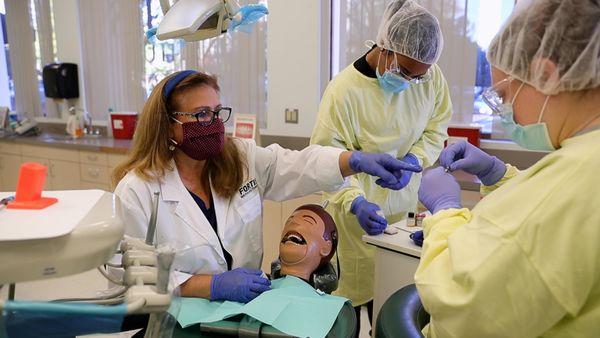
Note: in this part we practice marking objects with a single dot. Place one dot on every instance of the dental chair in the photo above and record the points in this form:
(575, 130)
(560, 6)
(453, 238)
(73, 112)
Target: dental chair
(81, 231)
(402, 315)
(324, 279)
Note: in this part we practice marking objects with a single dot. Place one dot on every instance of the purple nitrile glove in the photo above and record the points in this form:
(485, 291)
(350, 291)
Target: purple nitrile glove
(403, 176)
(238, 285)
(366, 213)
(384, 166)
(465, 156)
(439, 190)
(417, 237)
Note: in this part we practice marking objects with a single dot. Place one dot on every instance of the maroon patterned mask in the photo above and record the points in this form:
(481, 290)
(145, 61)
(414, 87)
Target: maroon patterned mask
(202, 142)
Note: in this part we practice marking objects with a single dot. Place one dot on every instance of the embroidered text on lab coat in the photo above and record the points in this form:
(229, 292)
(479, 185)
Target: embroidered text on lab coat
(248, 187)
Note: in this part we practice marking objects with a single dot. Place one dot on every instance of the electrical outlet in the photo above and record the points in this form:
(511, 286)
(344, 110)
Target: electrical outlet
(291, 115)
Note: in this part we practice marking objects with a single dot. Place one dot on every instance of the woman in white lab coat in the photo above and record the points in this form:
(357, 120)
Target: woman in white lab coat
(212, 187)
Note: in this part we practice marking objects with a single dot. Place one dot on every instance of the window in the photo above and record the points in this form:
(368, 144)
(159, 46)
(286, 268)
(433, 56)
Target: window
(161, 57)
(353, 23)
(112, 59)
(42, 22)
(7, 87)
(489, 20)
(23, 76)
(30, 24)
(468, 27)
(238, 59)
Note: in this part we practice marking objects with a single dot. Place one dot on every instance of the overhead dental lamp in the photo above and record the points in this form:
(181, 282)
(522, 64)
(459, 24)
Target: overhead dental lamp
(194, 20)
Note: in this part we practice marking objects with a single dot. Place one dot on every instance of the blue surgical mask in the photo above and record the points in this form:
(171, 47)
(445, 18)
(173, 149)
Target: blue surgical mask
(532, 136)
(390, 82)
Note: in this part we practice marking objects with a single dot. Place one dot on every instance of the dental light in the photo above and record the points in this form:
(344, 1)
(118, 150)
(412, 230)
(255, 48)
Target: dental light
(194, 20)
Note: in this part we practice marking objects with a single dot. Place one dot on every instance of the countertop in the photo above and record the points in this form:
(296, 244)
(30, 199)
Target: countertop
(399, 242)
(118, 146)
(89, 143)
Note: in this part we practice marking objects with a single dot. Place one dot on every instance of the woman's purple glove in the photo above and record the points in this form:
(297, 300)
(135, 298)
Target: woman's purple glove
(465, 156)
(439, 190)
(368, 218)
(389, 169)
(238, 285)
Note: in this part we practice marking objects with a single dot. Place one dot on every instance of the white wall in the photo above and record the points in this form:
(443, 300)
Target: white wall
(68, 47)
(297, 64)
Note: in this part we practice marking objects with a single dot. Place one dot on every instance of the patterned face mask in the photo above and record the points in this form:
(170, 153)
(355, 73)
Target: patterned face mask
(202, 142)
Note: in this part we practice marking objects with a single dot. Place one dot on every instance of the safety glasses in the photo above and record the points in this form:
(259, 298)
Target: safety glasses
(494, 96)
(397, 69)
(414, 80)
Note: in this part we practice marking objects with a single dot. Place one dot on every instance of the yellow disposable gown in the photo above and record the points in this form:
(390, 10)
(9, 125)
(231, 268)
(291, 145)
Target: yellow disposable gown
(525, 262)
(356, 114)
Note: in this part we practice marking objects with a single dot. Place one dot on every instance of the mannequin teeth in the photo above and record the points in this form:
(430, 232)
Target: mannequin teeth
(293, 237)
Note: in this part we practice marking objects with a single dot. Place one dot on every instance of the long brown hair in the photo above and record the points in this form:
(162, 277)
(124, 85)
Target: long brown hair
(150, 155)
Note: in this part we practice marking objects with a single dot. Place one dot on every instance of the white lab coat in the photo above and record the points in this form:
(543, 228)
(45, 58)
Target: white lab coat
(274, 173)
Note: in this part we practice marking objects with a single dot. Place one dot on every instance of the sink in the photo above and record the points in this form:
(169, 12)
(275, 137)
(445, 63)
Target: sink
(54, 137)
(64, 137)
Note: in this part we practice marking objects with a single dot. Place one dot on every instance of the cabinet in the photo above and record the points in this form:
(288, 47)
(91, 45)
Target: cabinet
(67, 168)
(94, 173)
(9, 148)
(93, 157)
(64, 175)
(62, 164)
(9, 171)
(61, 175)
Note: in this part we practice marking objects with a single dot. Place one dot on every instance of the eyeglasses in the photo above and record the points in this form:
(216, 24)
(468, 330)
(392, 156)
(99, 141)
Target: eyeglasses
(206, 117)
(493, 96)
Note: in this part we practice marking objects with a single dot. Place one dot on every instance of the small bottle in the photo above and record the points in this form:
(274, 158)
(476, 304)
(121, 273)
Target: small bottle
(78, 125)
(71, 128)
(109, 130)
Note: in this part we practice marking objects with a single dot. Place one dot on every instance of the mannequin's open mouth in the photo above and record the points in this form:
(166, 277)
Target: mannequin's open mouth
(293, 237)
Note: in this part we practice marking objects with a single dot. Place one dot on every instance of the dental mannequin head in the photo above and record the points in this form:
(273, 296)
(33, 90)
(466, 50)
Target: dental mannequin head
(308, 241)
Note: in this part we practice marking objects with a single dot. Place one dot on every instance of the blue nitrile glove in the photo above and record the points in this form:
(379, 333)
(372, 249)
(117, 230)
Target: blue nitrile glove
(417, 237)
(247, 16)
(238, 285)
(465, 156)
(366, 212)
(383, 166)
(439, 190)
